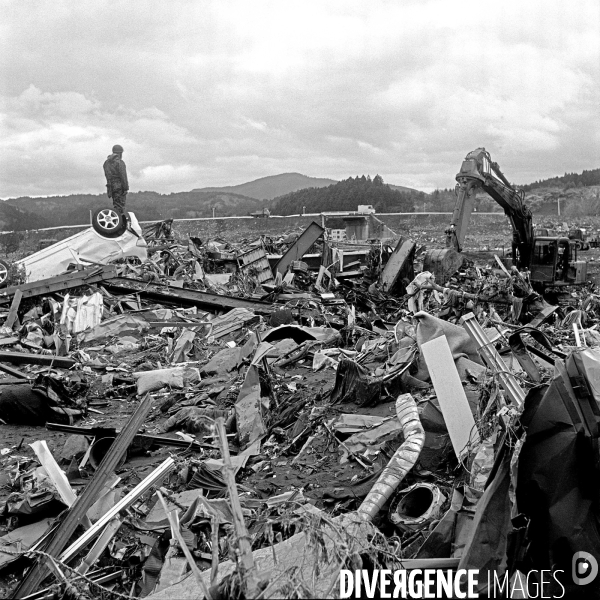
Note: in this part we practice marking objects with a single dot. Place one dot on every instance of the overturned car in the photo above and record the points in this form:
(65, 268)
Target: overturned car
(111, 237)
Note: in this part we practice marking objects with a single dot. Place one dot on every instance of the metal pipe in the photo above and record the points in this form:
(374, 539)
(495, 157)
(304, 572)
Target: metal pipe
(401, 463)
(493, 359)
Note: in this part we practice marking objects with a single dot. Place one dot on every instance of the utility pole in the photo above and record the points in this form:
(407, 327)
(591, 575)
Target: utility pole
(559, 207)
(214, 212)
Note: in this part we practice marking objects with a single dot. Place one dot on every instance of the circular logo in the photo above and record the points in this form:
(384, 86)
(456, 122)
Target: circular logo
(584, 568)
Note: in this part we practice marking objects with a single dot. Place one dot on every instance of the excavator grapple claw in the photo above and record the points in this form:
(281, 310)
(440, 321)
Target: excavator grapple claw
(443, 263)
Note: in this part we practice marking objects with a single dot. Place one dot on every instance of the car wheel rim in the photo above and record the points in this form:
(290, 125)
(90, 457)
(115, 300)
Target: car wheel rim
(3, 273)
(108, 219)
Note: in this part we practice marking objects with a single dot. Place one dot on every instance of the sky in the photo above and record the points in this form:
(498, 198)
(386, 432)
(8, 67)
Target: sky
(221, 92)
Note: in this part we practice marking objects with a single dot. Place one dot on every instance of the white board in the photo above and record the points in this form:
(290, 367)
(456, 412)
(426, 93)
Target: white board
(450, 394)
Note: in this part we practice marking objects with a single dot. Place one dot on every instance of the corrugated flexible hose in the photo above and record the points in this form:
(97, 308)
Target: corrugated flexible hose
(401, 463)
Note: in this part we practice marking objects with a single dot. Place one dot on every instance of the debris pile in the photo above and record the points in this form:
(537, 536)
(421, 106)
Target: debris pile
(248, 419)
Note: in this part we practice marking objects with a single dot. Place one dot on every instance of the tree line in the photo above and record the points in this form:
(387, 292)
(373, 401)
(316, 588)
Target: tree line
(568, 180)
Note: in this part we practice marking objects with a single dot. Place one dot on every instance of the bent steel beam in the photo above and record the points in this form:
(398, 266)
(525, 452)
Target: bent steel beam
(300, 247)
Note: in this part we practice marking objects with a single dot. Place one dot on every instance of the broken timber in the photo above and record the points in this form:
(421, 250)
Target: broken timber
(33, 578)
(59, 283)
(300, 247)
(183, 297)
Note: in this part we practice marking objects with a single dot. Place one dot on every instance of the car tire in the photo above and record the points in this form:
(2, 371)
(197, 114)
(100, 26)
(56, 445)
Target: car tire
(109, 223)
(4, 271)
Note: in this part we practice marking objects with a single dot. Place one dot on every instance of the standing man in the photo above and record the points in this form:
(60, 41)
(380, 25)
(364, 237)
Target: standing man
(116, 178)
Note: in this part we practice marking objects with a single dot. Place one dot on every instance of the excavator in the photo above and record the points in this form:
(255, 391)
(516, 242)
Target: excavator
(551, 261)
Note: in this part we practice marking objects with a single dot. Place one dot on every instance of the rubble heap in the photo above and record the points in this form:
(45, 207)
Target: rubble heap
(248, 419)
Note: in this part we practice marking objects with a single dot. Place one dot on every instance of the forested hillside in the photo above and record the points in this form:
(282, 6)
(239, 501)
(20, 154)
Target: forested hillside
(148, 206)
(347, 195)
(568, 180)
(15, 218)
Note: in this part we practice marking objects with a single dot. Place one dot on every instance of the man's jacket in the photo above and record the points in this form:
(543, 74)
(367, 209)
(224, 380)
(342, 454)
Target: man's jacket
(116, 175)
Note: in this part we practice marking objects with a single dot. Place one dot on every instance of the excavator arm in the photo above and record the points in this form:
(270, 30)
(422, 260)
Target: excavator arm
(520, 218)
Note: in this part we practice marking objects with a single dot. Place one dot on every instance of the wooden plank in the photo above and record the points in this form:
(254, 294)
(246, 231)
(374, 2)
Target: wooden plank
(60, 283)
(450, 394)
(14, 307)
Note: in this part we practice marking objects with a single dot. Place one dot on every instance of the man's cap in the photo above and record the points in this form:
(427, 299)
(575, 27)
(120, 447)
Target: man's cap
(117, 149)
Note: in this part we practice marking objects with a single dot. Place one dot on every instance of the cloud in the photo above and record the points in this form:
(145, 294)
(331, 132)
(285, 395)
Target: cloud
(225, 91)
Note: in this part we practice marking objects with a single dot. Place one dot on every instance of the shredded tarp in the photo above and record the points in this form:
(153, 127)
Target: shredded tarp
(461, 344)
(82, 313)
(354, 384)
(562, 439)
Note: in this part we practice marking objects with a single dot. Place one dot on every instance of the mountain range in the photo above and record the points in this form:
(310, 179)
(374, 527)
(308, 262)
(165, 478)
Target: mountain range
(268, 188)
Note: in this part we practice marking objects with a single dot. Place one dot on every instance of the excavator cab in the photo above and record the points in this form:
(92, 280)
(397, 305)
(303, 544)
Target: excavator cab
(554, 262)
